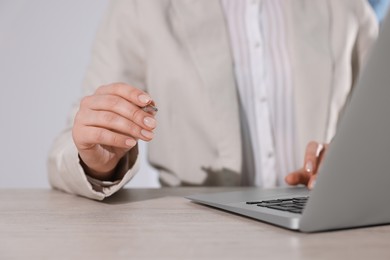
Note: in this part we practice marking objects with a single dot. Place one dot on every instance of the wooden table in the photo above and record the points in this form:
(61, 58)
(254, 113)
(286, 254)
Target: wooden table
(161, 224)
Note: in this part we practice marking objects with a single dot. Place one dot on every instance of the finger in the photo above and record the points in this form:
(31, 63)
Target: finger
(311, 156)
(121, 107)
(312, 181)
(321, 155)
(92, 136)
(298, 177)
(116, 123)
(131, 94)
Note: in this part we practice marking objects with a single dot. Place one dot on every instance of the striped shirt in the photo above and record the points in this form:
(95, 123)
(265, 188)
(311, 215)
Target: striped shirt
(263, 73)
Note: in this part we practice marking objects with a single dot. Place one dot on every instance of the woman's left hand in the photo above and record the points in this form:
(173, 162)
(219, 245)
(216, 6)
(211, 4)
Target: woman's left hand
(307, 175)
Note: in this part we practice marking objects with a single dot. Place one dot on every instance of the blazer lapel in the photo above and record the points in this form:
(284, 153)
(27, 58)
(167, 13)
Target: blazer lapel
(308, 30)
(201, 26)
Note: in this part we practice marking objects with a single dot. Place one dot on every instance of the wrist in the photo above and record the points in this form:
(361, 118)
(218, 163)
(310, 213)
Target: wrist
(99, 174)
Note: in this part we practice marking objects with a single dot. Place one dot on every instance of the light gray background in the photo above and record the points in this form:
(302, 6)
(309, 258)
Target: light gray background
(44, 50)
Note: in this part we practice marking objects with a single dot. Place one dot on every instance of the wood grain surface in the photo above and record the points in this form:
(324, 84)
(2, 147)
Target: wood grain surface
(161, 224)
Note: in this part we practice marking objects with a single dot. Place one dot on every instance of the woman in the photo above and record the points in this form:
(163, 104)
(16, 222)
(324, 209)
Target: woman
(241, 87)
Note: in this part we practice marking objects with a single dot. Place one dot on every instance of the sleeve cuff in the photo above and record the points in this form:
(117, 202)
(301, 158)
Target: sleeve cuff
(124, 172)
(67, 174)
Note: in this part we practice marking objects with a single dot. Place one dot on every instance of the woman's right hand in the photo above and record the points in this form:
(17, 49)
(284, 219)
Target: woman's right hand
(108, 124)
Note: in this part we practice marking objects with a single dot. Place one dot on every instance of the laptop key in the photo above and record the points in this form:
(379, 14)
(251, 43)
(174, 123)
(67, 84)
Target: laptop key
(300, 198)
(285, 200)
(278, 208)
(287, 205)
(298, 211)
(253, 202)
(271, 201)
(265, 204)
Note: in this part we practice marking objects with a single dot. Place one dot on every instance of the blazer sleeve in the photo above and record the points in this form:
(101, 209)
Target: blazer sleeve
(117, 56)
(367, 34)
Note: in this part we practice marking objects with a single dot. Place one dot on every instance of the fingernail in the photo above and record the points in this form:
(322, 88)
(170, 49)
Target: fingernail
(150, 122)
(309, 166)
(144, 99)
(147, 134)
(312, 184)
(130, 142)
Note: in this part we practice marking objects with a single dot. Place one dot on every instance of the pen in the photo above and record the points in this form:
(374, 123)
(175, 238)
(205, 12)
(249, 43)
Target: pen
(150, 109)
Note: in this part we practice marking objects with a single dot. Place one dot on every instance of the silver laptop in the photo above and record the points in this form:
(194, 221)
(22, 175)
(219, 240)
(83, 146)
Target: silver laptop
(353, 184)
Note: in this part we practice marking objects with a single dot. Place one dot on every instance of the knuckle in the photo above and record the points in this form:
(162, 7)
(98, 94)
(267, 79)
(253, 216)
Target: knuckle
(120, 84)
(77, 118)
(118, 87)
(115, 87)
(113, 101)
(98, 135)
(137, 115)
(81, 116)
(134, 93)
(108, 88)
(108, 118)
(101, 89)
(115, 140)
(85, 101)
(134, 131)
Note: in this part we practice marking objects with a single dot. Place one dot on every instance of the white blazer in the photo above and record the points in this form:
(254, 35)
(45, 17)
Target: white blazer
(178, 51)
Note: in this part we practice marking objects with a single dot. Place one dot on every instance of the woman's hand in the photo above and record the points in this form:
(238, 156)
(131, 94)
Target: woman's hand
(108, 124)
(307, 175)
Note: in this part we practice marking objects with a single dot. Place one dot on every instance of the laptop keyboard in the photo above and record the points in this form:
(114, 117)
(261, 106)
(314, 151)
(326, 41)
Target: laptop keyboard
(294, 205)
